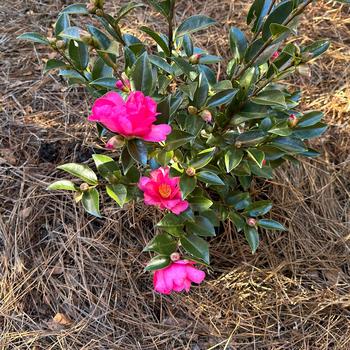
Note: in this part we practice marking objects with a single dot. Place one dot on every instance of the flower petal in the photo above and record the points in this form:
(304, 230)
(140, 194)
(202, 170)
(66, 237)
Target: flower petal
(158, 133)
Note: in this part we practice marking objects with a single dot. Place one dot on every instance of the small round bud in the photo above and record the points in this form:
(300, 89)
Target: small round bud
(175, 256)
(292, 120)
(60, 44)
(238, 144)
(206, 116)
(251, 222)
(194, 59)
(52, 40)
(192, 110)
(191, 171)
(304, 70)
(274, 56)
(84, 187)
(115, 142)
(263, 162)
(99, 12)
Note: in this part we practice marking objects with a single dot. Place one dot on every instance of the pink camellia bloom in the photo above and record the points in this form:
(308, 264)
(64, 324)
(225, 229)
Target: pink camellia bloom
(177, 277)
(162, 190)
(133, 118)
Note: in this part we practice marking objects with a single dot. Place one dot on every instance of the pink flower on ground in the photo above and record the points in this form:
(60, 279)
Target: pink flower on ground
(162, 190)
(274, 56)
(133, 118)
(177, 277)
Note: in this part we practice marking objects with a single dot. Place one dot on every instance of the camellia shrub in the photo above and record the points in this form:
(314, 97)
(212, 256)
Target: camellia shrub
(176, 135)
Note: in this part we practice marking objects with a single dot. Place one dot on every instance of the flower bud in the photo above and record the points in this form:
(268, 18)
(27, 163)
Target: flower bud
(304, 70)
(251, 222)
(99, 12)
(60, 44)
(52, 41)
(274, 56)
(115, 142)
(175, 256)
(292, 120)
(84, 187)
(191, 171)
(238, 144)
(192, 110)
(124, 86)
(194, 59)
(206, 116)
(263, 162)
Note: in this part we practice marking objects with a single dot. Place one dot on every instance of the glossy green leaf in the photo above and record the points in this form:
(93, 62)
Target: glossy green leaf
(271, 225)
(239, 201)
(90, 201)
(125, 9)
(209, 178)
(270, 98)
(194, 24)
(202, 226)
(54, 64)
(142, 77)
(200, 203)
(81, 171)
(237, 220)
(257, 156)
(203, 158)
(126, 160)
(258, 208)
(289, 144)
(188, 45)
(138, 150)
(162, 64)
(62, 185)
(158, 262)
(201, 94)
(78, 9)
(232, 159)
(187, 185)
(79, 54)
(222, 98)
(62, 23)
(162, 244)
(238, 42)
(310, 118)
(317, 48)
(106, 166)
(252, 237)
(310, 131)
(252, 137)
(118, 192)
(35, 37)
(196, 246)
(101, 70)
(258, 11)
(71, 33)
(100, 37)
(177, 138)
(157, 38)
(108, 83)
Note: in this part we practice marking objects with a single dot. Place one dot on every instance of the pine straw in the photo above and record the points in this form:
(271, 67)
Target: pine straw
(293, 294)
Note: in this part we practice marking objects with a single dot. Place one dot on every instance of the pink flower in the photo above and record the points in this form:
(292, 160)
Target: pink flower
(162, 190)
(177, 277)
(133, 118)
(274, 56)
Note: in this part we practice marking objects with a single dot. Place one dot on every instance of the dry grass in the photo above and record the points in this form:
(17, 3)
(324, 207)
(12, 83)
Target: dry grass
(293, 294)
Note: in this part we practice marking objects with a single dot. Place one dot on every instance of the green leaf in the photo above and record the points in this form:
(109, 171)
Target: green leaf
(188, 45)
(126, 160)
(177, 138)
(54, 64)
(79, 54)
(173, 224)
(278, 16)
(200, 203)
(238, 42)
(62, 23)
(138, 150)
(125, 9)
(289, 145)
(161, 63)
(258, 11)
(62, 185)
(108, 83)
(201, 94)
(187, 185)
(237, 220)
(162, 244)
(157, 38)
(71, 33)
(184, 66)
(194, 24)
(278, 30)
(270, 98)
(81, 171)
(202, 226)
(35, 37)
(91, 203)
(258, 208)
(310, 132)
(222, 98)
(203, 158)
(101, 70)
(117, 192)
(252, 137)
(78, 9)
(158, 262)
(271, 225)
(232, 159)
(161, 6)
(317, 48)
(209, 178)
(310, 118)
(257, 156)
(252, 237)
(196, 246)
(106, 166)
(100, 37)
(239, 201)
(142, 77)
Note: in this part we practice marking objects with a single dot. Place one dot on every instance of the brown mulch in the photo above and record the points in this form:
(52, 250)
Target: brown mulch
(69, 281)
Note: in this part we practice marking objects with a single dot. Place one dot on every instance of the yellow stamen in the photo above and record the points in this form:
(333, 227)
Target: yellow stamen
(165, 190)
